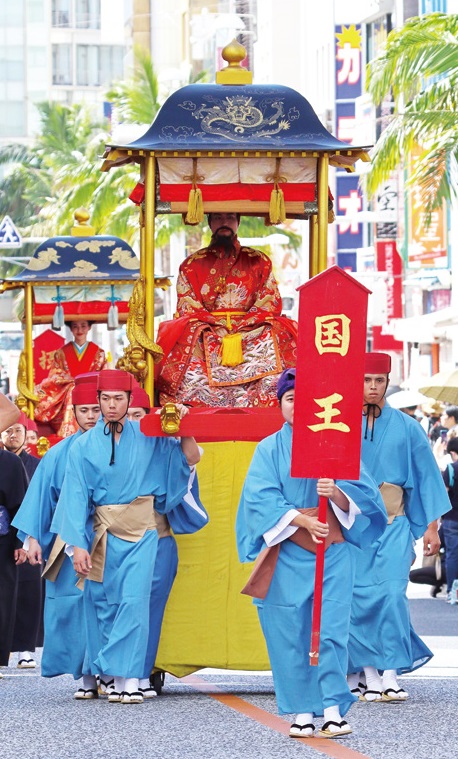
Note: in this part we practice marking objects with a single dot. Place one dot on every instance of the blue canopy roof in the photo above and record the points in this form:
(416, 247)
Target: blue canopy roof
(237, 117)
(80, 258)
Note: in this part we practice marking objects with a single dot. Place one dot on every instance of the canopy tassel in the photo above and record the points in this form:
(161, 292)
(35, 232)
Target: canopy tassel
(195, 214)
(277, 213)
(58, 318)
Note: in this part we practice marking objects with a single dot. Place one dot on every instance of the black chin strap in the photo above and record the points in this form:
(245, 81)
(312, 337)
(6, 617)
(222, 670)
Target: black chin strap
(371, 410)
(113, 428)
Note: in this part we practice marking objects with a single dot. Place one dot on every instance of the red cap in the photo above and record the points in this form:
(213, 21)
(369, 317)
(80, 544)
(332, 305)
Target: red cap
(377, 363)
(139, 399)
(23, 419)
(113, 380)
(31, 425)
(85, 391)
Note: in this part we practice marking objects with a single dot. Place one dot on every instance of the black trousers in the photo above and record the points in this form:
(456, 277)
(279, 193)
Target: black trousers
(8, 595)
(29, 609)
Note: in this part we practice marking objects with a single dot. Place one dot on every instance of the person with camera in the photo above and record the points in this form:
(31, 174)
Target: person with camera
(450, 519)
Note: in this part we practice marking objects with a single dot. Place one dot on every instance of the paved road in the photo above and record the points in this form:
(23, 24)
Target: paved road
(232, 715)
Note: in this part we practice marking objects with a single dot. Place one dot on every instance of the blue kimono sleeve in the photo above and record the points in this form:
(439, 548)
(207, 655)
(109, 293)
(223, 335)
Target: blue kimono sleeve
(73, 511)
(174, 471)
(190, 514)
(36, 512)
(262, 502)
(371, 523)
(427, 499)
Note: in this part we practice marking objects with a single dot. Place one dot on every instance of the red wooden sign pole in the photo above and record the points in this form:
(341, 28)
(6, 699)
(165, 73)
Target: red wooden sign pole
(318, 590)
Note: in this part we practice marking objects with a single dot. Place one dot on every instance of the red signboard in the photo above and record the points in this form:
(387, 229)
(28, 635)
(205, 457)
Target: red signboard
(389, 260)
(44, 347)
(329, 377)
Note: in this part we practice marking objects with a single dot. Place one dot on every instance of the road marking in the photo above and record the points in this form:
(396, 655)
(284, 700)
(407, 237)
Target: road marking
(322, 745)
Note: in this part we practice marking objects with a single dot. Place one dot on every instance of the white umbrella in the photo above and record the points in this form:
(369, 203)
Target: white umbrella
(443, 386)
(406, 399)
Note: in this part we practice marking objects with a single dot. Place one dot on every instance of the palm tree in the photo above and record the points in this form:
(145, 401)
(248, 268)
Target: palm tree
(136, 99)
(420, 67)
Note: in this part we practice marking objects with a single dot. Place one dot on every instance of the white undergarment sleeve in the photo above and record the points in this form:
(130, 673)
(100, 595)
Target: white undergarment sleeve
(346, 518)
(282, 530)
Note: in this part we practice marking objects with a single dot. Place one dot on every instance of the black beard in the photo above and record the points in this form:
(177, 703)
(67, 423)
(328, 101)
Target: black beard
(224, 241)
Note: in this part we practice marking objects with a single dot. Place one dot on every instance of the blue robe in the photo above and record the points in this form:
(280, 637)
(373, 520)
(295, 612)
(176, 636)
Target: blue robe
(268, 494)
(64, 643)
(381, 634)
(116, 610)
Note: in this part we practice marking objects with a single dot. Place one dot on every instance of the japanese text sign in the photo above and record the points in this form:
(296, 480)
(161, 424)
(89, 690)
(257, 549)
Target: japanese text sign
(44, 347)
(329, 377)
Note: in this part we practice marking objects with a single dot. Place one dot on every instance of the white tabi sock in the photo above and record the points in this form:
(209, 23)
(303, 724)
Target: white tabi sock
(89, 682)
(306, 718)
(119, 684)
(131, 685)
(374, 682)
(389, 680)
(298, 729)
(332, 714)
(144, 683)
(353, 680)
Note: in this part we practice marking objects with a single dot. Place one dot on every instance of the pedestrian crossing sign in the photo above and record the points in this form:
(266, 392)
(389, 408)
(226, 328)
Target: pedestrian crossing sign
(9, 236)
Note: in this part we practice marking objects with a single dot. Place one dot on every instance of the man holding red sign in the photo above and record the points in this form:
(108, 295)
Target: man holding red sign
(277, 521)
(397, 453)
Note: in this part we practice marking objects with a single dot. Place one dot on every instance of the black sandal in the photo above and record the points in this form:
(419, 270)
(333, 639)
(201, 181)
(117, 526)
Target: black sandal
(86, 695)
(373, 700)
(325, 732)
(298, 730)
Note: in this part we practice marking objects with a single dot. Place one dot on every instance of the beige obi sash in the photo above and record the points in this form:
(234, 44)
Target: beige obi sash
(127, 521)
(264, 567)
(106, 521)
(162, 525)
(393, 498)
(55, 561)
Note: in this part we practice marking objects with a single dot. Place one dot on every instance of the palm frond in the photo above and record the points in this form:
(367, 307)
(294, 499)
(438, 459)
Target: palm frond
(424, 47)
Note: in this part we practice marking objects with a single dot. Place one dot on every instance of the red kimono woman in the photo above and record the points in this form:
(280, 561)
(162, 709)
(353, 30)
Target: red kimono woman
(55, 392)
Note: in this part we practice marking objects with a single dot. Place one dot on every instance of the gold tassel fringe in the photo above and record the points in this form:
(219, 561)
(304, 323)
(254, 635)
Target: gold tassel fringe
(232, 354)
(277, 214)
(195, 207)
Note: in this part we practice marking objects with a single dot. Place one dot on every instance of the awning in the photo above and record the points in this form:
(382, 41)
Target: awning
(428, 328)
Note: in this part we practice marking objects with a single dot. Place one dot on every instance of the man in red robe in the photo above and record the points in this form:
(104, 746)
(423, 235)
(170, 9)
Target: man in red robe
(229, 342)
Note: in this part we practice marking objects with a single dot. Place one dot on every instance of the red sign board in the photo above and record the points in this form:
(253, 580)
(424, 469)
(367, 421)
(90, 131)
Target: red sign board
(44, 347)
(389, 260)
(329, 376)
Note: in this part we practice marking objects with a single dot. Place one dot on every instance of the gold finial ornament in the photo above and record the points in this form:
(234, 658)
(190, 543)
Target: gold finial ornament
(82, 228)
(170, 419)
(234, 73)
(43, 446)
(134, 358)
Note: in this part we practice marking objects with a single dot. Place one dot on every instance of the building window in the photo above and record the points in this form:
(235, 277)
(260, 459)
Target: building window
(62, 64)
(12, 63)
(98, 65)
(87, 65)
(111, 63)
(61, 13)
(87, 14)
(12, 123)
